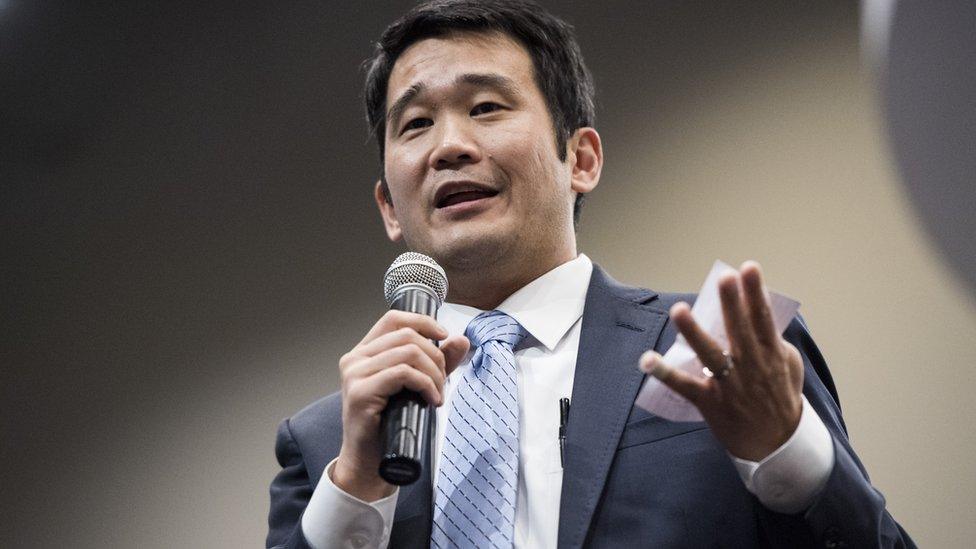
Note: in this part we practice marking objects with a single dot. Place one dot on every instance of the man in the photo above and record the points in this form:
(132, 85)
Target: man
(483, 114)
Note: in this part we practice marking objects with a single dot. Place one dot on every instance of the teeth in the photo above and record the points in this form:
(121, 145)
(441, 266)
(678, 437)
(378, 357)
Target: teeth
(464, 196)
(464, 189)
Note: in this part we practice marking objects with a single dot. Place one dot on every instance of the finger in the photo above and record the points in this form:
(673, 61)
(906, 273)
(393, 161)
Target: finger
(454, 348)
(707, 349)
(392, 380)
(757, 303)
(685, 385)
(394, 320)
(738, 327)
(403, 336)
(409, 354)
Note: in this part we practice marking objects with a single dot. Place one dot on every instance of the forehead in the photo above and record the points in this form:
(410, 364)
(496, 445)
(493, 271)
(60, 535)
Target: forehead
(439, 60)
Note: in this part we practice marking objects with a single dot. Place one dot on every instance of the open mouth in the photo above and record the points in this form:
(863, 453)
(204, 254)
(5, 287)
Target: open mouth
(452, 195)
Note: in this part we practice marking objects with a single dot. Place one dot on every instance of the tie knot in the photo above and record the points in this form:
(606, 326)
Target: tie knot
(495, 326)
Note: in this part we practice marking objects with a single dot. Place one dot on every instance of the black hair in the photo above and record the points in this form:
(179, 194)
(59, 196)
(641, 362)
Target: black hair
(560, 73)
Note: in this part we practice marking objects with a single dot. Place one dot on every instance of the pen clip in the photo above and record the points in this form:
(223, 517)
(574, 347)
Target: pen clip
(563, 415)
(563, 422)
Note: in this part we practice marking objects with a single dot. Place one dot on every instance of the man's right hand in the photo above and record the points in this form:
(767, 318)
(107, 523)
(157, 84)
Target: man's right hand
(396, 354)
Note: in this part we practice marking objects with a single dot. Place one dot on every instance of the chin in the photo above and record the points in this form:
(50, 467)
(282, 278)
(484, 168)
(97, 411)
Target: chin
(470, 251)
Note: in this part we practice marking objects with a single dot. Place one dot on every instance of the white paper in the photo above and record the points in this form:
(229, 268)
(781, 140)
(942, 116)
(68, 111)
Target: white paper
(657, 398)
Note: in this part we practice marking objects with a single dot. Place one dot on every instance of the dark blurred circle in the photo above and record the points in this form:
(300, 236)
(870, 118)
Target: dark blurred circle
(930, 103)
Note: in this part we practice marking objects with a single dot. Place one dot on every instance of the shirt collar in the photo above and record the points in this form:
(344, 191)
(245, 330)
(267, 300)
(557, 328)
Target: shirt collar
(547, 307)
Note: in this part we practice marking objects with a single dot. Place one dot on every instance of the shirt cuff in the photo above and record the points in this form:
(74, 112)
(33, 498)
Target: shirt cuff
(334, 518)
(788, 480)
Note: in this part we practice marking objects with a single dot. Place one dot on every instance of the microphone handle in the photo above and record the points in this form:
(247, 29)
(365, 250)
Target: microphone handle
(405, 419)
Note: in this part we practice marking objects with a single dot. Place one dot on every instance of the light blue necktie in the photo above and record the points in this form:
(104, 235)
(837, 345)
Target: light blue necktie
(475, 500)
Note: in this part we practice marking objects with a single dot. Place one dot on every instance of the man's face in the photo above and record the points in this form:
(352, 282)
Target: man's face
(471, 160)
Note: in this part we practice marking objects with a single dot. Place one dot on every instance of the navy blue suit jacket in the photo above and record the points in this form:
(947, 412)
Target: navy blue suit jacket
(631, 479)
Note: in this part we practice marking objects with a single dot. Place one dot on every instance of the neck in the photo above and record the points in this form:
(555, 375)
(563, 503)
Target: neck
(486, 288)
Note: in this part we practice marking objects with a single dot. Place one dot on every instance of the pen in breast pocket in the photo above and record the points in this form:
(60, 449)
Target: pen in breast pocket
(563, 421)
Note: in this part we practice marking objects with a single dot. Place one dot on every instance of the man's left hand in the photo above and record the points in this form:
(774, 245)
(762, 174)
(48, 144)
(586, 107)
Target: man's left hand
(752, 403)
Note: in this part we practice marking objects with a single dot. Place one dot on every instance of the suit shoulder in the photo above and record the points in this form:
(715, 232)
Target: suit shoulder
(602, 281)
(667, 299)
(325, 414)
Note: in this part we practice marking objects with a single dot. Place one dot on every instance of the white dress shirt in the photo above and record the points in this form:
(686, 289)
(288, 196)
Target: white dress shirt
(550, 309)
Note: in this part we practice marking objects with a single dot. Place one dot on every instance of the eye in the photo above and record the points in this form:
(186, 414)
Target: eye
(485, 108)
(416, 124)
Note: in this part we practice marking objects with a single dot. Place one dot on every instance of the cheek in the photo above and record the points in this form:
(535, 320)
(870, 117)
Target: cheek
(524, 157)
(544, 170)
(404, 171)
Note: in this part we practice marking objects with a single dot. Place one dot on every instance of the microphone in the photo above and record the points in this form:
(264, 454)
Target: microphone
(414, 283)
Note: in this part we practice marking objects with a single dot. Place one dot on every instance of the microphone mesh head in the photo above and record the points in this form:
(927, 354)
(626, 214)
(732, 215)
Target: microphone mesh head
(414, 268)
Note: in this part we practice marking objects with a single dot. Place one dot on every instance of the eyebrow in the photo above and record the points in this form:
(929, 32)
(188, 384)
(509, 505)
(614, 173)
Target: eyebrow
(502, 84)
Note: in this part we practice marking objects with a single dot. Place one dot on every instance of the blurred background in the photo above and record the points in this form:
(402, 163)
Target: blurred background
(189, 241)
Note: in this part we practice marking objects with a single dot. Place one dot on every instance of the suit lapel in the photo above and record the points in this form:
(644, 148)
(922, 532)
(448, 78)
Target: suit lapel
(619, 323)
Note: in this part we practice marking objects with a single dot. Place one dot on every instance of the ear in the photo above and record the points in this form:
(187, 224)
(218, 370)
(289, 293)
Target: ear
(586, 155)
(389, 214)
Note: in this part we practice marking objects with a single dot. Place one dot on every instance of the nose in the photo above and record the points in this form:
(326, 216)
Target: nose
(456, 146)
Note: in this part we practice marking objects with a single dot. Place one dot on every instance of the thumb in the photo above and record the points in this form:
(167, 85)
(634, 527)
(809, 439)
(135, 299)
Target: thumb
(685, 385)
(454, 349)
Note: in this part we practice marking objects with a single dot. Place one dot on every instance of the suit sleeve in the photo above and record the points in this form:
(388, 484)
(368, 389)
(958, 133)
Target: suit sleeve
(290, 491)
(848, 511)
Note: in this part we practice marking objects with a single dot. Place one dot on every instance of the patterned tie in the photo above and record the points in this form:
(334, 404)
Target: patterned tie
(475, 500)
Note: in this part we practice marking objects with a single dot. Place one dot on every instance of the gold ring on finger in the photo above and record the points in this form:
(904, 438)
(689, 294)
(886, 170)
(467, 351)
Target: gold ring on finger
(726, 368)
